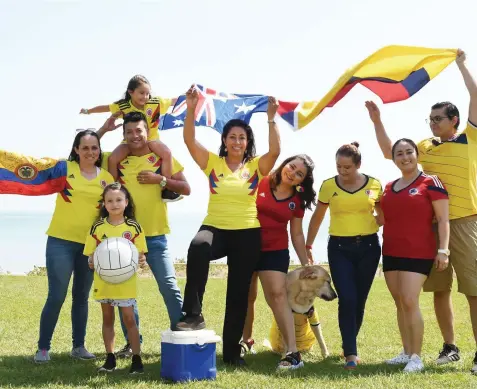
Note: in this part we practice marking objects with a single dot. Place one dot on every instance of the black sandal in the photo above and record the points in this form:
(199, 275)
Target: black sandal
(291, 361)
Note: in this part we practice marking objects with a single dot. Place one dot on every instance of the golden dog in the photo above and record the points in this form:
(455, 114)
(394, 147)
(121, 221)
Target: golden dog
(304, 284)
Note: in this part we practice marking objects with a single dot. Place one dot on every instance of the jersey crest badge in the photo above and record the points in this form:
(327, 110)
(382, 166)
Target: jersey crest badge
(149, 112)
(103, 184)
(413, 191)
(151, 159)
(369, 192)
(245, 174)
(127, 235)
(291, 205)
(26, 172)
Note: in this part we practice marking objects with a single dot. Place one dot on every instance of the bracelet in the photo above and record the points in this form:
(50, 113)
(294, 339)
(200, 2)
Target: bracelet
(308, 247)
(271, 121)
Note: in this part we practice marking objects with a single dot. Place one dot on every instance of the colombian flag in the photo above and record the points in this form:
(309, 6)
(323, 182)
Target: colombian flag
(394, 73)
(30, 176)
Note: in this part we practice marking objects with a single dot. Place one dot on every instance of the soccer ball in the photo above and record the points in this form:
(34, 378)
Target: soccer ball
(116, 260)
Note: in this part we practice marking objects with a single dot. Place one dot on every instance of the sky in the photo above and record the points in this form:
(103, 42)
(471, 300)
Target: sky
(61, 56)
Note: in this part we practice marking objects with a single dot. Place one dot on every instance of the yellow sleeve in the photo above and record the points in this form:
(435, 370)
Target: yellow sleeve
(314, 320)
(114, 107)
(90, 245)
(422, 147)
(176, 166)
(140, 242)
(324, 194)
(379, 188)
(165, 104)
(211, 163)
(471, 131)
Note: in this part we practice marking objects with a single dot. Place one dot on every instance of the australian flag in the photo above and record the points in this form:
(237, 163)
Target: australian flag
(214, 109)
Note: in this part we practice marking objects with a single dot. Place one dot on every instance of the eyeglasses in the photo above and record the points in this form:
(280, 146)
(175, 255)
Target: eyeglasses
(436, 119)
(85, 129)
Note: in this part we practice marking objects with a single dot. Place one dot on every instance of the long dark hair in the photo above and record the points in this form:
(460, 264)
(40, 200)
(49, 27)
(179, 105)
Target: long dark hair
(133, 83)
(74, 155)
(129, 211)
(308, 195)
(250, 151)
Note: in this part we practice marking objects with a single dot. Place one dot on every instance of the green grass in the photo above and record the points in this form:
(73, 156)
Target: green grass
(22, 299)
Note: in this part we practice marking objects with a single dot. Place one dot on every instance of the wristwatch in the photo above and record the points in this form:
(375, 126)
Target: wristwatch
(163, 183)
(444, 251)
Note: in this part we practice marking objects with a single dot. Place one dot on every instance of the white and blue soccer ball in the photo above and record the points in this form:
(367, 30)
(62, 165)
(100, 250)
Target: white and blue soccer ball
(116, 260)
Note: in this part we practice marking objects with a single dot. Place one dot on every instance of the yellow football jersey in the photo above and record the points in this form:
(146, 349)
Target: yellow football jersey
(351, 214)
(232, 194)
(305, 338)
(153, 109)
(151, 211)
(455, 163)
(77, 206)
(102, 230)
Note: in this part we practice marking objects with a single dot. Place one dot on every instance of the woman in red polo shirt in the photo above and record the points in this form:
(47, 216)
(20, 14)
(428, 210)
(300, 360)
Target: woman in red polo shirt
(409, 205)
(282, 197)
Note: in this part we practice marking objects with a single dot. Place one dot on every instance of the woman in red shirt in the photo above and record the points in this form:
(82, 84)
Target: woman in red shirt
(282, 197)
(409, 205)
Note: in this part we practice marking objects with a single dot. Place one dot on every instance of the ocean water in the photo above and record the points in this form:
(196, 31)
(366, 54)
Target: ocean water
(23, 238)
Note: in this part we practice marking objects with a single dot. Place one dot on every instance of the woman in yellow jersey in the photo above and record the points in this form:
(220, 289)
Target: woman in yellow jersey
(231, 227)
(75, 211)
(138, 98)
(117, 220)
(353, 247)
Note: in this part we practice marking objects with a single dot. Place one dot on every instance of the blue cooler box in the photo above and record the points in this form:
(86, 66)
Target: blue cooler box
(188, 355)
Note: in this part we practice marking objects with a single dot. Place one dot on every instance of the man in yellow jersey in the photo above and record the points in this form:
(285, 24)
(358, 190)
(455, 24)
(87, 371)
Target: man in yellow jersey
(140, 173)
(452, 156)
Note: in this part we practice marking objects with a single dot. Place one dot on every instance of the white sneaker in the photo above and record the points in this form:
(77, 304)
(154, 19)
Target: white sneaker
(401, 359)
(414, 365)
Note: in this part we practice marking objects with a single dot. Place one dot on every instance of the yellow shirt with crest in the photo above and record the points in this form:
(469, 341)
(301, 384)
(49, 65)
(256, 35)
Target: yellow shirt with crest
(102, 230)
(351, 213)
(77, 206)
(151, 211)
(153, 109)
(232, 194)
(455, 163)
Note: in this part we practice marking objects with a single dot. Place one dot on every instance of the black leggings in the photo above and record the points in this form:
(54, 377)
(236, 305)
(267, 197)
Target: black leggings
(242, 249)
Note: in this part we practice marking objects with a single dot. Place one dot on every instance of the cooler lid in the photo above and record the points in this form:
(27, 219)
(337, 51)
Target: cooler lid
(199, 337)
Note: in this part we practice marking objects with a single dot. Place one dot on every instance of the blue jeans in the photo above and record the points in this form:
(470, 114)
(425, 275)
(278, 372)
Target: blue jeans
(164, 272)
(64, 258)
(353, 263)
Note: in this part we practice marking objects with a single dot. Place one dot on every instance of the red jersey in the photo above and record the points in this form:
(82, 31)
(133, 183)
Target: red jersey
(408, 217)
(274, 216)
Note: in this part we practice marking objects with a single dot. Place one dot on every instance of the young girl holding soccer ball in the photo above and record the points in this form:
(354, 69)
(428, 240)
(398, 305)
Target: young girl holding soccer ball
(117, 220)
